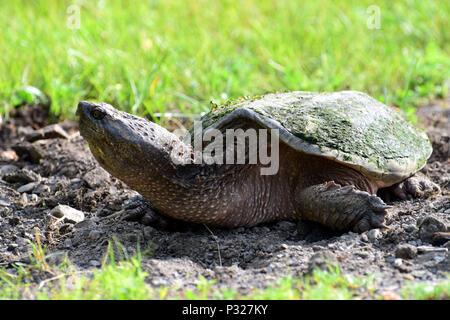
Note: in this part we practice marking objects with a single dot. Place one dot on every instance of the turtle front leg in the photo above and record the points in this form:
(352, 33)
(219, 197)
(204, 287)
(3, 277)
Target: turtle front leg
(341, 208)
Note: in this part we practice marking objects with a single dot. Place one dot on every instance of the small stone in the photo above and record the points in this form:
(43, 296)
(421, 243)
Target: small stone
(8, 155)
(94, 234)
(405, 251)
(42, 189)
(373, 235)
(447, 211)
(27, 188)
(401, 266)
(34, 197)
(398, 262)
(364, 237)
(69, 214)
(8, 169)
(94, 263)
(96, 178)
(52, 131)
(410, 228)
(4, 202)
(149, 232)
(68, 243)
(84, 224)
(30, 151)
(22, 176)
(429, 226)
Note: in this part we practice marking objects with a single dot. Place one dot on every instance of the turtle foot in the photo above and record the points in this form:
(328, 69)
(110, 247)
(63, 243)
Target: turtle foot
(141, 210)
(342, 208)
(417, 186)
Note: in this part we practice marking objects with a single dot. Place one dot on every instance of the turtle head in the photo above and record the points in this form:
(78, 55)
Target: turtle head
(121, 142)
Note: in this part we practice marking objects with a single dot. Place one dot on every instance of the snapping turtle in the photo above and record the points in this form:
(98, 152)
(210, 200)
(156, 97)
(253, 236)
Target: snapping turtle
(335, 151)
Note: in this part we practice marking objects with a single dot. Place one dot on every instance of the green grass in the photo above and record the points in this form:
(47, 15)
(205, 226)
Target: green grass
(125, 279)
(158, 56)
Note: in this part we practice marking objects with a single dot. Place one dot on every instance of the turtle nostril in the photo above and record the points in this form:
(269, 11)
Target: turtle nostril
(83, 107)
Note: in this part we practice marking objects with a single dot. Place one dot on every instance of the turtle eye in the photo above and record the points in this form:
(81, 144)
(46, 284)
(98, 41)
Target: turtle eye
(98, 114)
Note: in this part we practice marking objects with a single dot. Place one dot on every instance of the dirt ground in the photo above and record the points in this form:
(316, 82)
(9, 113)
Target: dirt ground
(41, 169)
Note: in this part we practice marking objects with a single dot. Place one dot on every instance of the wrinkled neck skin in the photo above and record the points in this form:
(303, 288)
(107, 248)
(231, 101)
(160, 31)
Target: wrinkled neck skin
(157, 164)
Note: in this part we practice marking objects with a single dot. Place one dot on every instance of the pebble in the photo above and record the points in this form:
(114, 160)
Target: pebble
(68, 243)
(364, 237)
(22, 176)
(373, 235)
(8, 169)
(405, 251)
(94, 263)
(398, 262)
(447, 211)
(69, 214)
(4, 202)
(96, 178)
(42, 189)
(84, 224)
(8, 155)
(429, 226)
(94, 234)
(52, 131)
(28, 150)
(410, 228)
(27, 188)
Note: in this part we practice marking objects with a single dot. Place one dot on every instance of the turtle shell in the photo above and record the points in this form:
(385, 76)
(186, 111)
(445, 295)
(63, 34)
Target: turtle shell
(349, 127)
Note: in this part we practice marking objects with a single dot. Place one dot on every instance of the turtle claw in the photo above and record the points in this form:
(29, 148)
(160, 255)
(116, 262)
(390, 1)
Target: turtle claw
(331, 185)
(348, 189)
(381, 226)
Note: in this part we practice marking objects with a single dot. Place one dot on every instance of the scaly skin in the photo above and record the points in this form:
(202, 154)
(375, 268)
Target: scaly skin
(138, 152)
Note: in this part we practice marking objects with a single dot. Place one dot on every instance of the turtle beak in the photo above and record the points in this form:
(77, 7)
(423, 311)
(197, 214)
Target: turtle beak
(84, 108)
